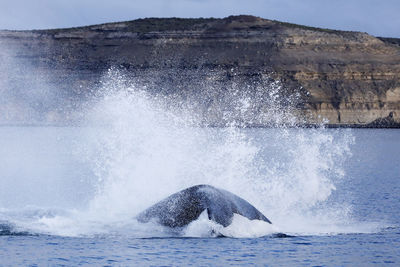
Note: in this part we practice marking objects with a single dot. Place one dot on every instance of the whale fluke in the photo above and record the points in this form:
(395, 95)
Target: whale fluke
(185, 206)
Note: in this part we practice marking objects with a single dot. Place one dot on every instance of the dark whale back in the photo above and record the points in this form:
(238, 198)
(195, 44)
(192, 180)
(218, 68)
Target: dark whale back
(186, 206)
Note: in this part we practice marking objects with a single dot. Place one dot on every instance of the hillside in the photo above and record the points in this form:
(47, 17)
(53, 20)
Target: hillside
(346, 78)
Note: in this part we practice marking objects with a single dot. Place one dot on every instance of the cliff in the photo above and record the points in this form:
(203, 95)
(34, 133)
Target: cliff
(345, 78)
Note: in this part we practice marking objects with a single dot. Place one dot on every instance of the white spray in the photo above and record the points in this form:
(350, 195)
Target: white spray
(141, 148)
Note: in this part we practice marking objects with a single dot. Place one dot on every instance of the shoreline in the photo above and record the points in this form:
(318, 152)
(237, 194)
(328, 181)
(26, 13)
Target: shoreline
(298, 126)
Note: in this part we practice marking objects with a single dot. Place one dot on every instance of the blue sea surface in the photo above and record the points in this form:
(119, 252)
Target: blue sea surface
(371, 186)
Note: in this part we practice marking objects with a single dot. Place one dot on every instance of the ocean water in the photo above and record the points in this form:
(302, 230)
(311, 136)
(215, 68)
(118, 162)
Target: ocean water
(67, 198)
(70, 195)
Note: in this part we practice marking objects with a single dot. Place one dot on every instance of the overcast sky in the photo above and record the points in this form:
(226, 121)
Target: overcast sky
(377, 17)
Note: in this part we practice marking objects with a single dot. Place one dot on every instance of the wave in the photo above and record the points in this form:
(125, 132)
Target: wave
(8, 229)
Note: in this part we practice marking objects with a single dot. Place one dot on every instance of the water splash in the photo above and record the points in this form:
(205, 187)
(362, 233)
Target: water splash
(147, 145)
(142, 146)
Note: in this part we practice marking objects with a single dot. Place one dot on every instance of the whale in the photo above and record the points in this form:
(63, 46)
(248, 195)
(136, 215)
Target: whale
(183, 207)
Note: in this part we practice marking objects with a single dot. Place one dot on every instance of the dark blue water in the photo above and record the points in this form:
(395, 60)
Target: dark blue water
(351, 249)
(370, 186)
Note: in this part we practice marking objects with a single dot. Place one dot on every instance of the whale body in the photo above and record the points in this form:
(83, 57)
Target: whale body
(185, 206)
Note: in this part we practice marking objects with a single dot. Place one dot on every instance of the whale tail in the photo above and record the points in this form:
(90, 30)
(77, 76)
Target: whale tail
(185, 206)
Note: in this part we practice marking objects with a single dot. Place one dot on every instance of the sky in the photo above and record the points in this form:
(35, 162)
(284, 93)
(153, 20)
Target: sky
(376, 17)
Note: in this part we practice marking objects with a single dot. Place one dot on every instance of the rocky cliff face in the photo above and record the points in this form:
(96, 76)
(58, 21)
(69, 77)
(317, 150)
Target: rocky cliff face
(345, 78)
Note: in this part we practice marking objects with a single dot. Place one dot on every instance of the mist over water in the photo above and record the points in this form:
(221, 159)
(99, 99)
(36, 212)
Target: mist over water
(137, 148)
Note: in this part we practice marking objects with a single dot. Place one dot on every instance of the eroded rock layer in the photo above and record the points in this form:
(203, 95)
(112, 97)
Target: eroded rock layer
(345, 78)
